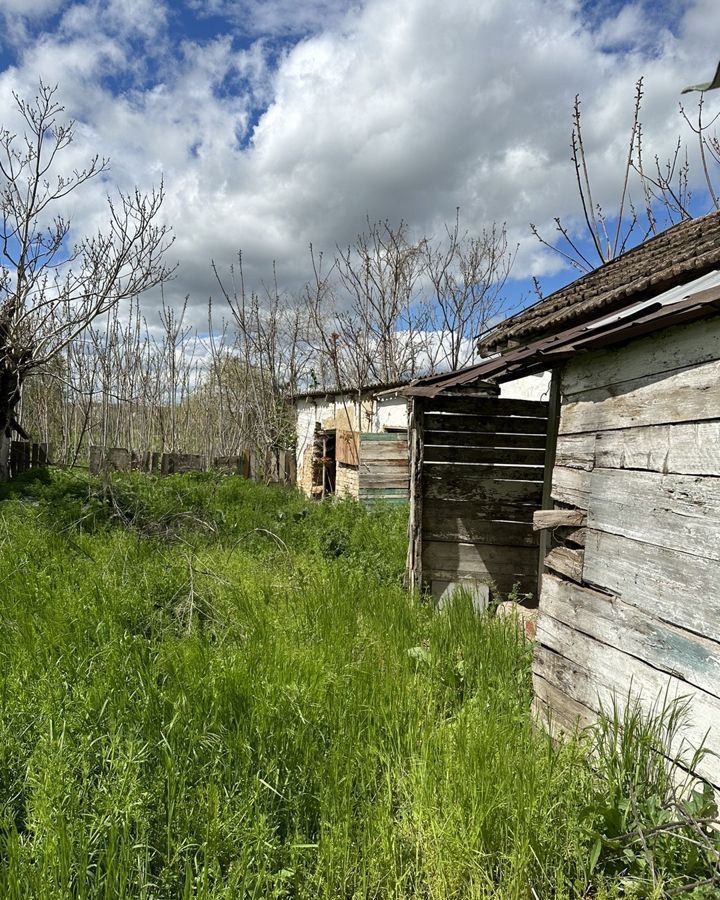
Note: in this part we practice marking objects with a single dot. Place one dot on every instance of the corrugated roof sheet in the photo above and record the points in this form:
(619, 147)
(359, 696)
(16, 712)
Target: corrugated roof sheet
(687, 249)
(694, 300)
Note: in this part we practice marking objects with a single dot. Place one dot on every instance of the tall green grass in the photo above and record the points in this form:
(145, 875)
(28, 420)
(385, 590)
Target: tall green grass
(213, 689)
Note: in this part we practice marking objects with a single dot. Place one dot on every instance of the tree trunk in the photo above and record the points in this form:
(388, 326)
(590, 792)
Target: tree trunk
(5, 440)
(9, 399)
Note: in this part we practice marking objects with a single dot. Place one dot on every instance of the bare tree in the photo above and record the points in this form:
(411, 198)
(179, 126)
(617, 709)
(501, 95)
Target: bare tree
(665, 188)
(467, 275)
(51, 287)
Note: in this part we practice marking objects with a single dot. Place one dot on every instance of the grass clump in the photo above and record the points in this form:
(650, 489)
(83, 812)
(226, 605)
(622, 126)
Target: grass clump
(214, 689)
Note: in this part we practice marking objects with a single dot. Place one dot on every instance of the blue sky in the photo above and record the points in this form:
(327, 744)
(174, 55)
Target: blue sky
(276, 124)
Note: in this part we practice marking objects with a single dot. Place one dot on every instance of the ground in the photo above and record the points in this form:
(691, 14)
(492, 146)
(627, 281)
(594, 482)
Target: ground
(214, 689)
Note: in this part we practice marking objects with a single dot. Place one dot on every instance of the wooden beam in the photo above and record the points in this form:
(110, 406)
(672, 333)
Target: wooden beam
(555, 518)
(550, 451)
(566, 562)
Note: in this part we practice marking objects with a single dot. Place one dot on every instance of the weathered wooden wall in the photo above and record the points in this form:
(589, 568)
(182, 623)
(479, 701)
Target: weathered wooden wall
(477, 479)
(383, 467)
(631, 600)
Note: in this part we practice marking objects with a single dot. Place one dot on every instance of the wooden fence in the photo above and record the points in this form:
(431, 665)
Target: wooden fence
(277, 466)
(477, 473)
(25, 455)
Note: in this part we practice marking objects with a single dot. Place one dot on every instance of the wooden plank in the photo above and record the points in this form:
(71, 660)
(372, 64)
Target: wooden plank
(576, 451)
(486, 424)
(383, 437)
(576, 536)
(485, 455)
(378, 481)
(481, 439)
(685, 449)
(556, 712)
(593, 673)
(612, 621)
(488, 406)
(680, 512)
(479, 559)
(571, 486)
(384, 450)
(469, 473)
(684, 395)
(566, 561)
(673, 586)
(416, 431)
(475, 528)
(384, 465)
(347, 447)
(481, 490)
(388, 491)
(490, 511)
(554, 518)
(664, 351)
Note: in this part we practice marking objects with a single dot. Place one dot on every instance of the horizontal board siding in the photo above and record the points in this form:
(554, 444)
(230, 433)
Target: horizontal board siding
(383, 437)
(576, 451)
(685, 449)
(596, 674)
(475, 528)
(483, 439)
(487, 406)
(496, 510)
(493, 455)
(383, 473)
(671, 584)
(639, 449)
(684, 395)
(487, 424)
(502, 567)
(483, 491)
(481, 482)
(679, 512)
(639, 633)
(667, 350)
(472, 474)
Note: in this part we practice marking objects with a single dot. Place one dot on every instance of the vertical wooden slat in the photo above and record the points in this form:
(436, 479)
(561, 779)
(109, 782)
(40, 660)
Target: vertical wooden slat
(415, 432)
(550, 450)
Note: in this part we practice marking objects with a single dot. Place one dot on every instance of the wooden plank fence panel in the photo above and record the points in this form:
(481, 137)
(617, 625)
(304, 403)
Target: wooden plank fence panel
(493, 455)
(485, 439)
(489, 424)
(488, 406)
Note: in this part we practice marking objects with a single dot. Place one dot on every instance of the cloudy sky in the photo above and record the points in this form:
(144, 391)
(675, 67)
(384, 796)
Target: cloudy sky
(276, 123)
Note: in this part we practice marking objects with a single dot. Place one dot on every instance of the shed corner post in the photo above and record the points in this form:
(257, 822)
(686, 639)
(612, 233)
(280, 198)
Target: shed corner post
(550, 449)
(413, 574)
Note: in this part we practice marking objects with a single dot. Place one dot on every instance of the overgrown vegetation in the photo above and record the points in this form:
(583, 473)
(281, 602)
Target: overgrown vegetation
(210, 688)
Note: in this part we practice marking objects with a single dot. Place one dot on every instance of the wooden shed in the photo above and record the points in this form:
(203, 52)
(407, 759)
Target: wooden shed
(353, 443)
(630, 596)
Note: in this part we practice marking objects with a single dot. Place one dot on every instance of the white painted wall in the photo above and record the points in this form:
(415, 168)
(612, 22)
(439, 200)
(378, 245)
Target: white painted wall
(390, 412)
(530, 387)
(377, 415)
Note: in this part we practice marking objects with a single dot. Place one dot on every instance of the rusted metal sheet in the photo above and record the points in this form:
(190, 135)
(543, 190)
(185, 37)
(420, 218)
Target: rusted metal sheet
(548, 352)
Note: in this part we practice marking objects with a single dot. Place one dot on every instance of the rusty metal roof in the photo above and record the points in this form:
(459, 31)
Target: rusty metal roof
(682, 252)
(663, 311)
(352, 391)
